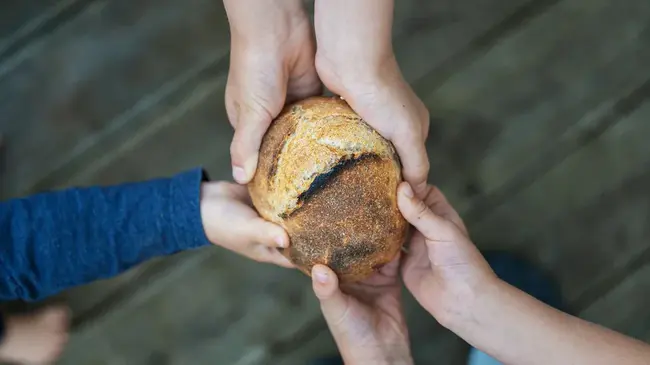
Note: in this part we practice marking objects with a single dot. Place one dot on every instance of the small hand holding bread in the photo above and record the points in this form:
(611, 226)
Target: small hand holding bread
(330, 181)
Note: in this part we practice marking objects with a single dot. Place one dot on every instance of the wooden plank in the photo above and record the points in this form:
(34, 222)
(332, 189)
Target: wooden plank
(590, 248)
(585, 220)
(625, 308)
(532, 98)
(601, 165)
(218, 314)
(429, 35)
(89, 77)
(24, 21)
(18, 14)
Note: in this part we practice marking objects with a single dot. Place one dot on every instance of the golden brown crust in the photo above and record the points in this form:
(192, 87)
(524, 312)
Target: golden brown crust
(331, 181)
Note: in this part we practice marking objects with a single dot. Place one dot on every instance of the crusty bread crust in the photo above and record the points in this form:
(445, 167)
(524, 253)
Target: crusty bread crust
(331, 181)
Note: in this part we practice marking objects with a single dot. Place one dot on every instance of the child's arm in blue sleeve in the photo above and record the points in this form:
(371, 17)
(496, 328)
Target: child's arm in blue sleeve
(53, 241)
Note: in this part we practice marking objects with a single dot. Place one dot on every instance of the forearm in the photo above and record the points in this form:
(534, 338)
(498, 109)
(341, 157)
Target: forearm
(355, 32)
(263, 21)
(57, 240)
(518, 329)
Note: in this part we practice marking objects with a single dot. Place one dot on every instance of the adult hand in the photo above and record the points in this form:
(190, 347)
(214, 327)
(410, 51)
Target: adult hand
(230, 221)
(355, 60)
(443, 270)
(366, 318)
(271, 63)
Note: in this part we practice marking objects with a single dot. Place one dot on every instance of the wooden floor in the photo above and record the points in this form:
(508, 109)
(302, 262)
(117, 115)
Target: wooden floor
(539, 136)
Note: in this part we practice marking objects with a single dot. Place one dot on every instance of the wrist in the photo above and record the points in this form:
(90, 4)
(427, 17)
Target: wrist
(264, 23)
(393, 349)
(210, 191)
(461, 309)
(354, 76)
(388, 356)
(355, 37)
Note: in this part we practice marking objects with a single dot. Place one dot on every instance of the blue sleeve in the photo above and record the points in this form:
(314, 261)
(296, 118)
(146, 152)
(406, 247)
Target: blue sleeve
(53, 241)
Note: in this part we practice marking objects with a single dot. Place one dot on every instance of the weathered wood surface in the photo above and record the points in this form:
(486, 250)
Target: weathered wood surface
(625, 307)
(431, 36)
(80, 86)
(568, 219)
(211, 316)
(535, 97)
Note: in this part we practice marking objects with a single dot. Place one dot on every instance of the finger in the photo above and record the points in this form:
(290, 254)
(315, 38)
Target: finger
(439, 205)
(417, 252)
(391, 269)
(245, 145)
(238, 192)
(333, 302)
(273, 256)
(415, 162)
(416, 264)
(415, 211)
(266, 233)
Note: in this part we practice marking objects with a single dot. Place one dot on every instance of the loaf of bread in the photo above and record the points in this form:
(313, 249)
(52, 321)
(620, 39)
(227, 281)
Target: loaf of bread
(330, 181)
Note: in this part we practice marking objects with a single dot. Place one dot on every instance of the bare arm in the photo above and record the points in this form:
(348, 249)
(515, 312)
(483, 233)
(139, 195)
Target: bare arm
(358, 30)
(260, 20)
(515, 328)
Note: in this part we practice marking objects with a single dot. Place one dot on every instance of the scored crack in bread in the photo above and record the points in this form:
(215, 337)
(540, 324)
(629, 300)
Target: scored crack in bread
(330, 181)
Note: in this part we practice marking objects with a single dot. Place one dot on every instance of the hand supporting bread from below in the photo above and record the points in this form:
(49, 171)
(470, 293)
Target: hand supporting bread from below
(330, 180)
(365, 318)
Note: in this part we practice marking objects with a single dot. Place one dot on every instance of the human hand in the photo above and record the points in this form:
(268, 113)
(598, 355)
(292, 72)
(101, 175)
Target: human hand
(230, 221)
(271, 63)
(443, 269)
(355, 60)
(365, 318)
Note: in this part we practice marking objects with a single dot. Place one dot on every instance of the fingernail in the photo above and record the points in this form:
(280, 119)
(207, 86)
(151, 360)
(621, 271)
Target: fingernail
(279, 240)
(239, 174)
(321, 276)
(408, 191)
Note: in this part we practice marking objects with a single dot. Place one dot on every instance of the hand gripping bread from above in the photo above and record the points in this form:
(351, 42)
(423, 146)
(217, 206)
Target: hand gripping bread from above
(330, 181)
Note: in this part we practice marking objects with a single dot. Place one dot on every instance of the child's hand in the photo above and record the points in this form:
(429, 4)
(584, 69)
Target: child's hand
(365, 318)
(443, 270)
(230, 221)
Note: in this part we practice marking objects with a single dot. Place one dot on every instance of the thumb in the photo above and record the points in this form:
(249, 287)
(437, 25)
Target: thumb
(244, 150)
(267, 233)
(333, 302)
(416, 212)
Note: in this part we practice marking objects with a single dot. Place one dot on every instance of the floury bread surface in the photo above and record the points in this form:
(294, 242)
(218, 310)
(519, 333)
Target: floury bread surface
(330, 181)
